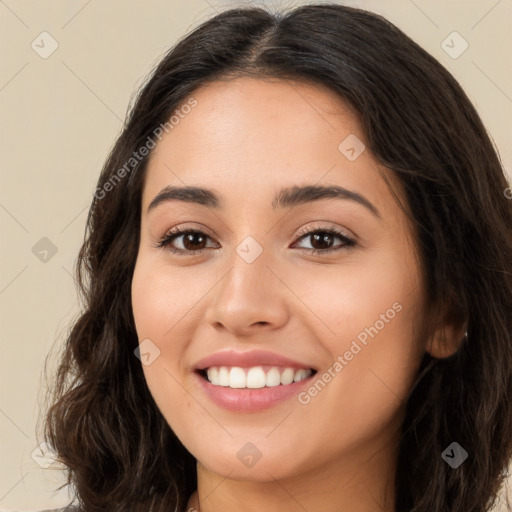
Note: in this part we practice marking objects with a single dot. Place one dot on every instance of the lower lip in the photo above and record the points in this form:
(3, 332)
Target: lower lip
(247, 399)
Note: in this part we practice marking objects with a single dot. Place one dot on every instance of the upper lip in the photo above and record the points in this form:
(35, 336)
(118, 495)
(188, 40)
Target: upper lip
(249, 359)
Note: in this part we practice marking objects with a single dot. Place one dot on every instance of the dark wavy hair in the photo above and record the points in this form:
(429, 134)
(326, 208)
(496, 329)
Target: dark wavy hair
(103, 423)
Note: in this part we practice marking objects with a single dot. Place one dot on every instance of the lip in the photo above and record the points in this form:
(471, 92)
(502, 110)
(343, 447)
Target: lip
(250, 400)
(249, 359)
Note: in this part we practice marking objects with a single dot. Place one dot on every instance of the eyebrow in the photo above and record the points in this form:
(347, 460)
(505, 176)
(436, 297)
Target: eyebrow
(285, 198)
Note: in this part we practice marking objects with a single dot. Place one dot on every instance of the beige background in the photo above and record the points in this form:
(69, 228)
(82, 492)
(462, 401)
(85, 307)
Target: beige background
(62, 114)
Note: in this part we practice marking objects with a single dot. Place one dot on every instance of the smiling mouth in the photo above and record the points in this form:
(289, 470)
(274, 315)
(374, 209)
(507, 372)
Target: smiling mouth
(255, 377)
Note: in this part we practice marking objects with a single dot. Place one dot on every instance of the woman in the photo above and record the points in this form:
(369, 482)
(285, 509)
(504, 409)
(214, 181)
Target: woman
(297, 277)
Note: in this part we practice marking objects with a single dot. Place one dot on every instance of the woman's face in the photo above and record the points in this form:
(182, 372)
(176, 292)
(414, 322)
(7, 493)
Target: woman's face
(250, 281)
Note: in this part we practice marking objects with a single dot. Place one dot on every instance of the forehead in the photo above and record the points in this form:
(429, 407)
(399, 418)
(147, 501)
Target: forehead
(253, 136)
(237, 112)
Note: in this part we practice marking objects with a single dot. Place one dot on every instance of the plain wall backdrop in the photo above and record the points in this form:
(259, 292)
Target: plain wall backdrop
(68, 71)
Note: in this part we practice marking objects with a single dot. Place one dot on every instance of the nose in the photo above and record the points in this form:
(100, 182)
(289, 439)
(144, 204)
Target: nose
(249, 298)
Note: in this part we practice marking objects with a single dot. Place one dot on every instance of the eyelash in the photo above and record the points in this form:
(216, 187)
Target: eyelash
(348, 243)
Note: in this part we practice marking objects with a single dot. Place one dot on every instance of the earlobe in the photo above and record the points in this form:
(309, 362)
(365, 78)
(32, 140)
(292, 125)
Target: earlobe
(447, 339)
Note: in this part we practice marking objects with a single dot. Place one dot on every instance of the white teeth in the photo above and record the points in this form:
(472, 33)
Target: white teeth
(287, 376)
(223, 376)
(237, 378)
(273, 378)
(300, 375)
(213, 374)
(255, 377)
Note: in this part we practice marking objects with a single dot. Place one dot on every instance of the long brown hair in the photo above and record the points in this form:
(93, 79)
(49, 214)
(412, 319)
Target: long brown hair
(103, 422)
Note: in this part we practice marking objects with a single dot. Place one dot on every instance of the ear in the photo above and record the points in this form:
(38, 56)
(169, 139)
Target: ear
(448, 335)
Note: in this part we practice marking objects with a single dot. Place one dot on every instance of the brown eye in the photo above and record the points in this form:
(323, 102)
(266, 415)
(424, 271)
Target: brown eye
(322, 240)
(192, 241)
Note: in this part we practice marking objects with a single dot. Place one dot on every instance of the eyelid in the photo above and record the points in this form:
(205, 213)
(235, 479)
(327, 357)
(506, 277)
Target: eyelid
(187, 227)
(304, 230)
(322, 226)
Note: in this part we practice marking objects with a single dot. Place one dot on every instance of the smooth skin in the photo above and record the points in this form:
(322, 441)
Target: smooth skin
(246, 138)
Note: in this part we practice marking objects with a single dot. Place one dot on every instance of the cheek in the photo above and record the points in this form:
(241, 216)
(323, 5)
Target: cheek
(159, 298)
(343, 301)
(369, 314)
(163, 308)
(159, 302)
